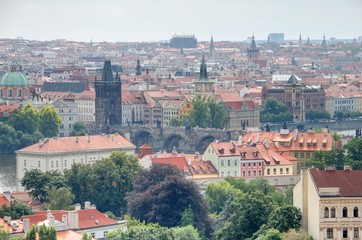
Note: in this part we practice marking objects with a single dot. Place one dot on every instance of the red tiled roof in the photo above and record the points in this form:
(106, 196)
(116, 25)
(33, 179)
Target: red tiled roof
(67, 235)
(223, 149)
(348, 182)
(4, 200)
(6, 227)
(70, 144)
(90, 218)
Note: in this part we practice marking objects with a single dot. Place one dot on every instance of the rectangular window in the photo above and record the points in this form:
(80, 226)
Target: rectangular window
(57, 164)
(307, 155)
(93, 234)
(287, 170)
(65, 162)
(254, 173)
(302, 155)
(254, 164)
(235, 173)
(345, 233)
(355, 232)
(329, 232)
(235, 162)
(249, 164)
(268, 172)
(243, 164)
(52, 164)
(274, 171)
(38, 164)
(105, 233)
(229, 162)
(243, 173)
(222, 163)
(281, 171)
(229, 174)
(259, 172)
(249, 173)
(259, 164)
(24, 163)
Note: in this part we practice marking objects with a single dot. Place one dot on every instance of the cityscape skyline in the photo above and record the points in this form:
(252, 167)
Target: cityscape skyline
(141, 20)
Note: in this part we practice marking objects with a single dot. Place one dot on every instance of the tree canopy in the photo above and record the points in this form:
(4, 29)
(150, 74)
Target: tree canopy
(161, 195)
(49, 121)
(25, 120)
(15, 210)
(317, 115)
(274, 111)
(79, 129)
(59, 199)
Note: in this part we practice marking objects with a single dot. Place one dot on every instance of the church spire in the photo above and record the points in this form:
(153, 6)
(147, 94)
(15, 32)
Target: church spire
(253, 44)
(107, 74)
(300, 39)
(308, 41)
(138, 68)
(212, 47)
(324, 43)
(203, 70)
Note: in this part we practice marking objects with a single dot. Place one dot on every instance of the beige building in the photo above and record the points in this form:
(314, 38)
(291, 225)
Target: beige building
(339, 100)
(330, 202)
(61, 153)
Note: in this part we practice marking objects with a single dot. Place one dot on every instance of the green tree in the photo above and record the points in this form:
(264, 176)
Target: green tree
(38, 183)
(271, 234)
(161, 194)
(199, 114)
(59, 199)
(26, 120)
(321, 159)
(317, 115)
(79, 129)
(354, 149)
(110, 215)
(86, 236)
(274, 111)
(217, 113)
(104, 183)
(296, 235)
(15, 210)
(9, 141)
(47, 233)
(49, 121)
(218, 193)
(187, 218)
(4, 234)
(284, 218)
(248, 213)
(31, 233)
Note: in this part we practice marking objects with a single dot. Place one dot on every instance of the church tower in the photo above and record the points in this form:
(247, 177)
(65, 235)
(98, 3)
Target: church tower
(253, 51)
(211, 47)
(138, 68)
(203, 85)
(324, 43)
(108, 98)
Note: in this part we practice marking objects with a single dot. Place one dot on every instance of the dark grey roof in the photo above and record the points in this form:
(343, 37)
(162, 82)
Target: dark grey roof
(107, 74)
(293, 79)
(75, 87)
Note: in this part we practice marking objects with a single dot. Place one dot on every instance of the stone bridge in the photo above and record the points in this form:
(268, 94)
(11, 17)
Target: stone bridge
(186, 140)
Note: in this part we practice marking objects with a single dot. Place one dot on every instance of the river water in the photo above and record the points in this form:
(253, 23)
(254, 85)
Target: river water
(7, 172)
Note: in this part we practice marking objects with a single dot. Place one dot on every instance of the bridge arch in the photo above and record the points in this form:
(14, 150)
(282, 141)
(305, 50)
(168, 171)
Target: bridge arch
(204, 143)
(174, 140)
(141, 138)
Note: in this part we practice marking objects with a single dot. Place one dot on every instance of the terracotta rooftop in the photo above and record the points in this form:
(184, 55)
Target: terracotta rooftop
(348, 181)
(67, 235)
(79, 143)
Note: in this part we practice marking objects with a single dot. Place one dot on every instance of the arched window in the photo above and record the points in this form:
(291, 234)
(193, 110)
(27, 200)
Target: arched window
(355, 212)
(19, 93)
(333, 212)
(326, 212)
(345, 212)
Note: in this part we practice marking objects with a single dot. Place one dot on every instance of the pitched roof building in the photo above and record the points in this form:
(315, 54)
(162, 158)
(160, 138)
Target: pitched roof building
(331, 203)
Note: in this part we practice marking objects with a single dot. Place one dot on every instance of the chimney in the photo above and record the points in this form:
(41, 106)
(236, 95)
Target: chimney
(65, 219)
(73, 219)
(8, 219)
(77, 140)
(14, 225)
(295, 134)
(267, 144)
(87, 204)
(347, 168)
(93, 206)
(26, 225)
(77, 207)
(7, 195)
(51, 221)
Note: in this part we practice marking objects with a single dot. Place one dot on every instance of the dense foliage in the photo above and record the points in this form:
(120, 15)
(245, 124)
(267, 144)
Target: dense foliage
(205, 113)
(274, 111)
(43, 233)
(317, 115)
(15, 210)
(79, 129)
(350, 154)
(161, 195)
(340, 115)
(50, 121)
(137, 230)
(250, 210)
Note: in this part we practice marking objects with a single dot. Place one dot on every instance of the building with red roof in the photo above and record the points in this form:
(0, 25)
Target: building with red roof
(61, 153)
(331, 202)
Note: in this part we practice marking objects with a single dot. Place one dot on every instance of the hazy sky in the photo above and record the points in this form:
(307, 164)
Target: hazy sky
(153, 20)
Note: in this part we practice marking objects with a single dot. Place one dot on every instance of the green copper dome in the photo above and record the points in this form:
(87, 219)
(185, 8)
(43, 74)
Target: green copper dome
(14, 78)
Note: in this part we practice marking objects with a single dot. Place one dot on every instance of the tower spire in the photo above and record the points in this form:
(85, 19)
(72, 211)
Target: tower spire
(138, 68)
(203, 69)
(324, 43)
(212, 47)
